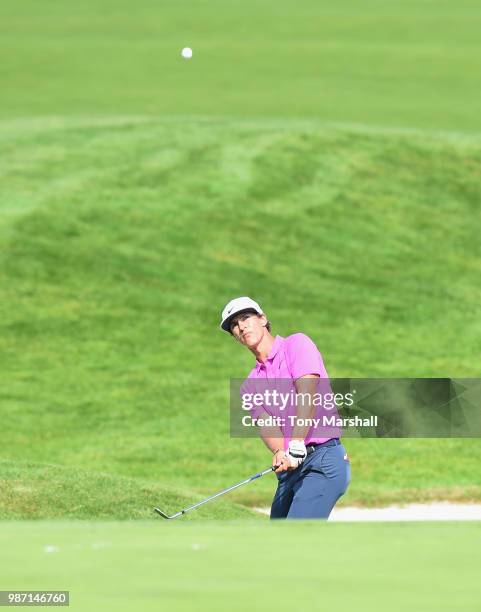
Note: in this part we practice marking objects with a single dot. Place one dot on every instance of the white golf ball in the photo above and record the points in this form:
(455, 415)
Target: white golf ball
(187, 52)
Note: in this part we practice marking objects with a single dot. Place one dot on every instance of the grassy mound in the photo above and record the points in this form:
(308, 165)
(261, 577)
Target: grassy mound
(122, 239)
(42, 491)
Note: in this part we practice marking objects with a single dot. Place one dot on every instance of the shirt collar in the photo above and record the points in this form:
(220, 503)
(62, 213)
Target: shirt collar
(274, 350)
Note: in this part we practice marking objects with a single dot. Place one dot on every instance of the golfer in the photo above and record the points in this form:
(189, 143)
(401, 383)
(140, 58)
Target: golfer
(312, 471)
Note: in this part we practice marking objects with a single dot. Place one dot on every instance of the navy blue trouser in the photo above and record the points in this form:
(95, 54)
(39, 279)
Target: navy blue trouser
(311, 491)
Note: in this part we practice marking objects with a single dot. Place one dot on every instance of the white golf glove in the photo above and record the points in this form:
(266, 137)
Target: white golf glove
(296, 453)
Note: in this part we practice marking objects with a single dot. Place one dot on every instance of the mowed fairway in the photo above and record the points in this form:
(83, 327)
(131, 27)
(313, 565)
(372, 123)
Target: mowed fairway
(242, 565)
(411, 64)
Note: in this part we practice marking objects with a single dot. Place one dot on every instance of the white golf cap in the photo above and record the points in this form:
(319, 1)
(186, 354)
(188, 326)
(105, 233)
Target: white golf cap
(235, 306)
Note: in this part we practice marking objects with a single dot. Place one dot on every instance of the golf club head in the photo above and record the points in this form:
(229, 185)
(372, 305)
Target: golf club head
(166, 516)
(162, 514)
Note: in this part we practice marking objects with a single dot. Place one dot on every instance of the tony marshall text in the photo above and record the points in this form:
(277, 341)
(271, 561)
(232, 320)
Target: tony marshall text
(325, 421)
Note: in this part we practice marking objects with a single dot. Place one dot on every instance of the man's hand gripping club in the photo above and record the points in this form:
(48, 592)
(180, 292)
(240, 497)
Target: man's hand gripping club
(286, 461)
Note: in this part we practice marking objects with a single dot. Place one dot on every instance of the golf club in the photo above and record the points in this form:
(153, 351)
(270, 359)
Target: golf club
(208, 499)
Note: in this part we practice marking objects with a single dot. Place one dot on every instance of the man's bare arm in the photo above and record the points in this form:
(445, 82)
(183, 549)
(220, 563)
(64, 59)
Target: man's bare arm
(272, 437)
(274, 440)
(307, 385)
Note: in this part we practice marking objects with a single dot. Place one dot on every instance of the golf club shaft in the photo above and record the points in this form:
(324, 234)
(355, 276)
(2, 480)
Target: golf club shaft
(223, 492)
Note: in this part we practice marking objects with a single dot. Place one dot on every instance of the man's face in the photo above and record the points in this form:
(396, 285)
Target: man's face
(248, 328)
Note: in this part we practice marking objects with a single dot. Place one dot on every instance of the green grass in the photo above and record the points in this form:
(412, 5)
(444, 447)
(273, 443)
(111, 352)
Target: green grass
(43, 491)
(239, 565)
(122, 239)
(414, 64)
(323, 159)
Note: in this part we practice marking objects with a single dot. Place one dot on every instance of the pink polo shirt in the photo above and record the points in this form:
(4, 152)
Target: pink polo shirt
(289, 359)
